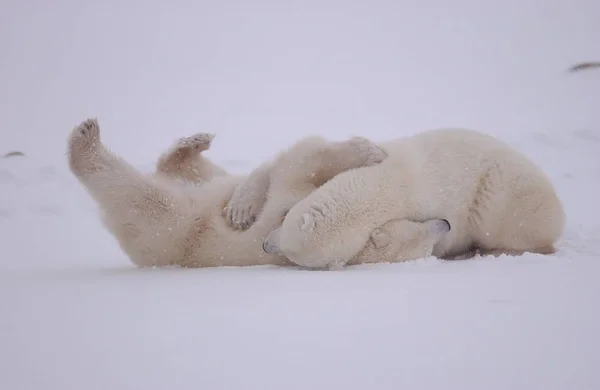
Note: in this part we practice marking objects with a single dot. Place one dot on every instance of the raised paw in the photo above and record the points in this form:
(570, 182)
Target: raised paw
(196, 143)
(85, 137)
(366, 152)
(83, 146)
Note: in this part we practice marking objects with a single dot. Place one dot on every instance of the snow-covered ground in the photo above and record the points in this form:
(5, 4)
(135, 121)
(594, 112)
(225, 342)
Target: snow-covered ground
(74, 312)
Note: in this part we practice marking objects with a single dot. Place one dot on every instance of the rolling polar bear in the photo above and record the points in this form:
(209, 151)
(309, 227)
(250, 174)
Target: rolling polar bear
(496, 200)
(175, 216)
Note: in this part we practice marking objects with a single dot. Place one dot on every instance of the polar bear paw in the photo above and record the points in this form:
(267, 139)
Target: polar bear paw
(85, 137)
(196, 143)
(366, 152)
(242, 209)
(246, 203)
(85, 148)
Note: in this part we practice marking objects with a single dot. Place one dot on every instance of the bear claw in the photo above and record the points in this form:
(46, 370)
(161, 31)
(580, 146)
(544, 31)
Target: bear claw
(198, 142)
(85, 136)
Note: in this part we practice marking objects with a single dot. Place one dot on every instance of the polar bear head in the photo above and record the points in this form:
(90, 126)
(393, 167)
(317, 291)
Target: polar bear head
(396, 240)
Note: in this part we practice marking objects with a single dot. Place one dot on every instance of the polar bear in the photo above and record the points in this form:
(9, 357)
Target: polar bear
(175, 216)
(496, 200)
(184, 160)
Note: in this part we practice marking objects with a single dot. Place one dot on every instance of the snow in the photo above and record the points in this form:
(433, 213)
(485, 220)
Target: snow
(76, 314)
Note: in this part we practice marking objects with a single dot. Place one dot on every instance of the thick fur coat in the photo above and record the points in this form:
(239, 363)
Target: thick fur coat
(179, 215)
(495, 199)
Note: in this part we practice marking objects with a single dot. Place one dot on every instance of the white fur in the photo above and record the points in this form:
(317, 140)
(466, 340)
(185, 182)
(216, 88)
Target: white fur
(185, 161)
(494, 197)
(395, 241)
(159, 222)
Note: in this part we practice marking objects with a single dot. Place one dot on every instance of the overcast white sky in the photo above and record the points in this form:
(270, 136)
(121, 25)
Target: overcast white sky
(155, 70)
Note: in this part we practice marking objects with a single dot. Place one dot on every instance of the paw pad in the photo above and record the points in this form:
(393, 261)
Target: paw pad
(198, 142)
(88, 128)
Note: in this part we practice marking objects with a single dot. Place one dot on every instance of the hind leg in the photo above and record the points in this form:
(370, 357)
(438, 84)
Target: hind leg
(295, 173)
(184, 160)
(521, 213)
(536, 232)
(145, 215)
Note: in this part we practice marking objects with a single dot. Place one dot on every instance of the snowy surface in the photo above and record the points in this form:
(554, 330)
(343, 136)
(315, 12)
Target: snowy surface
(74, 312)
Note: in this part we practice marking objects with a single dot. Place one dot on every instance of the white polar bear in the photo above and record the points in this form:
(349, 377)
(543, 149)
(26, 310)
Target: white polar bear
(496, 199)
(175, 217)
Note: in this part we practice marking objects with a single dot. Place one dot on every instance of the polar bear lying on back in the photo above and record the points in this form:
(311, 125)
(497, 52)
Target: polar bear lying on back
(495, 199)
(175, 216)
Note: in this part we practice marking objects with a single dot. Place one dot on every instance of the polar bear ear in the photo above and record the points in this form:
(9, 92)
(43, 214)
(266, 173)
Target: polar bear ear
(307, 223)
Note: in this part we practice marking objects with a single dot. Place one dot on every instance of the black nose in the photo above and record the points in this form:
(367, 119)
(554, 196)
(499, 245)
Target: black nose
(267, 248)
(447, 223)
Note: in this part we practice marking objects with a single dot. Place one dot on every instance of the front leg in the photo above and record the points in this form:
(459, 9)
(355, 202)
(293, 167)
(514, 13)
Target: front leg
(312, 161)
(249, 198)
